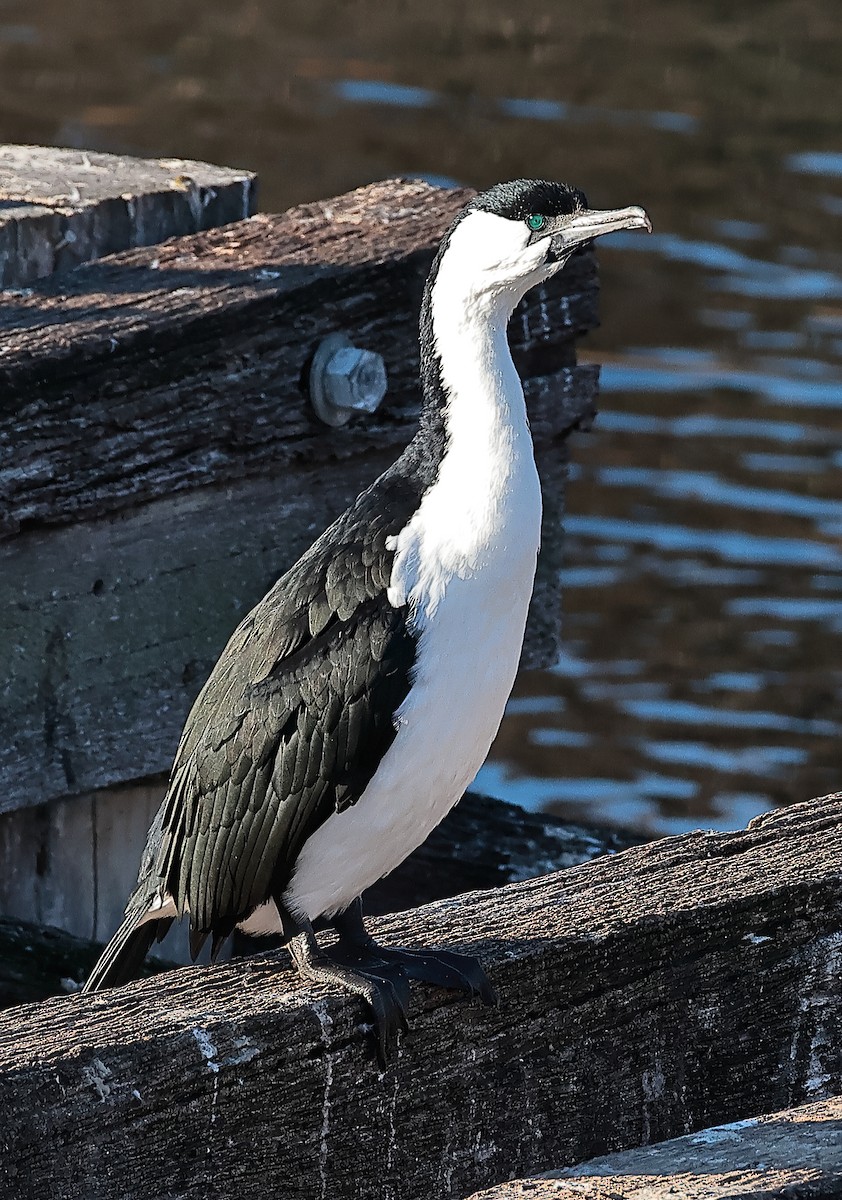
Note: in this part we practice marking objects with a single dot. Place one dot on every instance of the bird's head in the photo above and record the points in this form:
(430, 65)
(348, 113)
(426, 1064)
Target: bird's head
(518, 234)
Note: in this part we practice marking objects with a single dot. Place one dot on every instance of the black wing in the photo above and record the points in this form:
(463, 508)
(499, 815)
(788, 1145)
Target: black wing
(290, 726)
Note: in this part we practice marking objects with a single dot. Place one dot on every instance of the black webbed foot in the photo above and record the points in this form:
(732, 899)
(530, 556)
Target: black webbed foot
(385, 993)
(372, 966)
(380, 974)
(443, 968)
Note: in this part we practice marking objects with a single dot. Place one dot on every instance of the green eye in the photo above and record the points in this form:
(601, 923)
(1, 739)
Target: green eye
(536, 222)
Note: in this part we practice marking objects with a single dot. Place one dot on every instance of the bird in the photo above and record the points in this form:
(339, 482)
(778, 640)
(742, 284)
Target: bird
(354, 704)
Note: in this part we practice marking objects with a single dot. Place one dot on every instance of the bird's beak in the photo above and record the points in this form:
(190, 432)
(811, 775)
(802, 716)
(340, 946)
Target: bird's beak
(593, 223)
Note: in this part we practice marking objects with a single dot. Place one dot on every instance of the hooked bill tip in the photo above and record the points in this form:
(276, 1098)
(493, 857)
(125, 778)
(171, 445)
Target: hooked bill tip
(639, 219)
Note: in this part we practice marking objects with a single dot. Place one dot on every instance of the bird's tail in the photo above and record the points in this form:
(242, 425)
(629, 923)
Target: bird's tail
(123, 957)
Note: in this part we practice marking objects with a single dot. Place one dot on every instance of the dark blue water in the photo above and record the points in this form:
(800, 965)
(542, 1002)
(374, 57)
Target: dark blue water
(701, 679)
(702, 675)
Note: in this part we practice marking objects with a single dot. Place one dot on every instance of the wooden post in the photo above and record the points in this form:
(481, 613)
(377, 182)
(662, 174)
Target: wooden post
(60, 208)
(685, 983)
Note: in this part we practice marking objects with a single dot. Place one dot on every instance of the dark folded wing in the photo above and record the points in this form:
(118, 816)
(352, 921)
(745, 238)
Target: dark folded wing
(291, 724)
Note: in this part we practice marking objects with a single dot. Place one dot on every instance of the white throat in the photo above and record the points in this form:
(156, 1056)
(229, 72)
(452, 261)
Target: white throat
(485, 505)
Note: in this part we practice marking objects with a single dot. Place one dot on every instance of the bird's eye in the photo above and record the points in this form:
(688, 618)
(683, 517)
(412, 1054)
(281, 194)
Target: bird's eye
(536, 222)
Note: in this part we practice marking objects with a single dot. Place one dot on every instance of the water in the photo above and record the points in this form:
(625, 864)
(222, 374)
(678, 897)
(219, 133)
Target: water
(701, 678)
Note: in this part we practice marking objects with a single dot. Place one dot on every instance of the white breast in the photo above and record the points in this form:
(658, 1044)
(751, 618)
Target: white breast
(465, 564)
(467, 659)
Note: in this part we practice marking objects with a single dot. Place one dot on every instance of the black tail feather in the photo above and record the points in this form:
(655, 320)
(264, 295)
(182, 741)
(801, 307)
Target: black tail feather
(123, 957)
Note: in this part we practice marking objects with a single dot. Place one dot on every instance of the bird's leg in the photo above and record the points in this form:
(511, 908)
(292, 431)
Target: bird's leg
(444, 968)
(377, 988)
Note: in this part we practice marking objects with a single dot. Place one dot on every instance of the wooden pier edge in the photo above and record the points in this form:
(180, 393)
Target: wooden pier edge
(61, 207)
(674, 986)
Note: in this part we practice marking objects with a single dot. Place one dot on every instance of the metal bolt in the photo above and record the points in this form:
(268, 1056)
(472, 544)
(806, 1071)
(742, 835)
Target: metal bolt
(345, 380)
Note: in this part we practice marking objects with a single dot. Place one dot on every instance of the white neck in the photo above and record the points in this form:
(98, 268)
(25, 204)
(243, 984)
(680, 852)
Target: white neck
(484, 507)
(488, 439)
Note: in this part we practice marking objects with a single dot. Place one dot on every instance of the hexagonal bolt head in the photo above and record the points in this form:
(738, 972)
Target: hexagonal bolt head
(355, 380)
(345, 379)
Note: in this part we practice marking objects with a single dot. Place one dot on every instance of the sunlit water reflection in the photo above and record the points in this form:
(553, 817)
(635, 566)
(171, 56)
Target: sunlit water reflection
(701, 677)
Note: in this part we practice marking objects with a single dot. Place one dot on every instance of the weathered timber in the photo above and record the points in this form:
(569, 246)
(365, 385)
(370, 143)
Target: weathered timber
(792, 1155)
(184, 364)
(73, 868)
(685, 983)
(160, 465)
(60, 207)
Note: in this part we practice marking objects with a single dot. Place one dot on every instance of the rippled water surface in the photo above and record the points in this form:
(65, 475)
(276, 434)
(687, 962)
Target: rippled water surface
(701, 677)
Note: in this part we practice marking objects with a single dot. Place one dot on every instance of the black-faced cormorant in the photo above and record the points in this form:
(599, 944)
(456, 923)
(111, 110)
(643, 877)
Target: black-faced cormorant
(352, 707)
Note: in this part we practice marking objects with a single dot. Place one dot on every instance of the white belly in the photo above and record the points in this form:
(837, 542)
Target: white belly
(465, 566)
(466, 668)
(468, 655)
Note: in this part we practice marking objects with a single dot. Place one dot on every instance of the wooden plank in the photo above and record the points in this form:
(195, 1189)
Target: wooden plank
(62, 207)
(121, 820)
(482, 843)
(685, 983)
(791, 1155)
(47, 865)
(111, 626)
(155, 439)
(162, 370)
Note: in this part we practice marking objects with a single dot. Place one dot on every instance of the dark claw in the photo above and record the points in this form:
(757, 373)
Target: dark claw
(389, 1017)
(372, 964)
(376, 983)
(380, 974)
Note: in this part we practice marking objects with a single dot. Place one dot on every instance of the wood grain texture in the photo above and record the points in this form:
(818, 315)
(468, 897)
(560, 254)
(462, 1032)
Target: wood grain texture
(62, 207)
(685, 983)
(164, 369)
(792, 1155)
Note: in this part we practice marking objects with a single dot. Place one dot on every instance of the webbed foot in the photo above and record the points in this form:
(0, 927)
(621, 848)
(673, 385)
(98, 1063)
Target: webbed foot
(383, 990)
(444, 968)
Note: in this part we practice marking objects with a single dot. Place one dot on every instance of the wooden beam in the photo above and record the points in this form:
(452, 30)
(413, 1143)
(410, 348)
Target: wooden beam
(791, 1155)
(685, 983)
(164, 369)
(62, 207)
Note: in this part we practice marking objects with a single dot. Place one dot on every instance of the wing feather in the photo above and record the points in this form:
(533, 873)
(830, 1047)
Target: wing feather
(291, 724)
